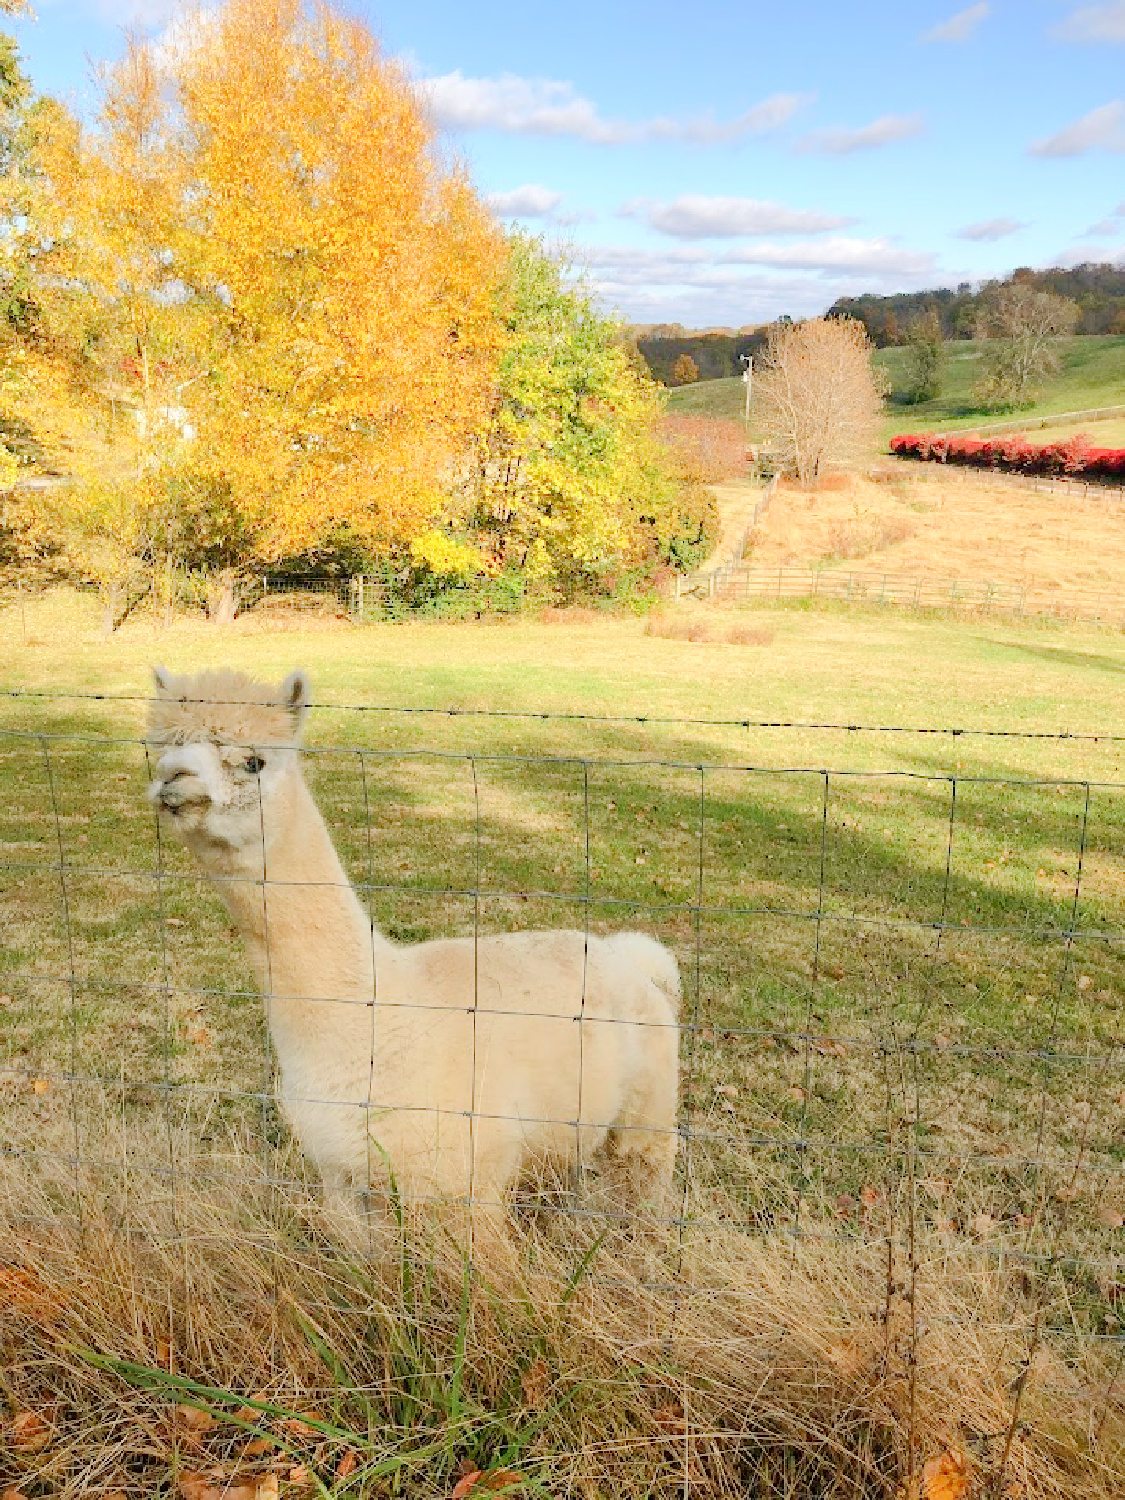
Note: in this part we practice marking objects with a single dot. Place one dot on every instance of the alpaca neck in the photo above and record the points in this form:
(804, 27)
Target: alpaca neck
(306, 933)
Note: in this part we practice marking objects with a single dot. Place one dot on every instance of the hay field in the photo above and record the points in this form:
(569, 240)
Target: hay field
(904, 1000)
(933, 521)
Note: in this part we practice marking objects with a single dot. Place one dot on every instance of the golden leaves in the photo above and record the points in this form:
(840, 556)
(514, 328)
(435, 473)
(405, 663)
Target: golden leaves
(217, 1486)
(479, 1482)
(29, 1431)
(946, 1476)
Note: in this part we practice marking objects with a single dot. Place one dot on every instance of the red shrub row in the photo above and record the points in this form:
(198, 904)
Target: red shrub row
(1073, 456)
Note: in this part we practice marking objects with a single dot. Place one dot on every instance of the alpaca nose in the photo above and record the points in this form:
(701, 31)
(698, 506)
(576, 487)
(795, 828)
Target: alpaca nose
(176, 785)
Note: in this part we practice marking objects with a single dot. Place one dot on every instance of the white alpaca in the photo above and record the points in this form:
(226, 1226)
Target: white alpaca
(451, 1068)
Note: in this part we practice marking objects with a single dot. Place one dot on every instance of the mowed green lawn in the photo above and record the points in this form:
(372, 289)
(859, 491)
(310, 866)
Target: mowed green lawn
(874, 928)
(1093, 375)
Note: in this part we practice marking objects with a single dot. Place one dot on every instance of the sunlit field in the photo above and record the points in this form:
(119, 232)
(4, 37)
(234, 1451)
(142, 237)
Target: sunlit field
(902, 949)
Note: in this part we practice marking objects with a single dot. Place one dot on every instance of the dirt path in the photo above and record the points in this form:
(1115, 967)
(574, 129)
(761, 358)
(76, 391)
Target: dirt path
(737, 499)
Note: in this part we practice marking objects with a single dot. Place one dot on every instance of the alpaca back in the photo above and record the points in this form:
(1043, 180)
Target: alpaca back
(483, 1060)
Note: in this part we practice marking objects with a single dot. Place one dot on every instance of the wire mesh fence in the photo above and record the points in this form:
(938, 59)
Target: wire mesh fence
(900, 1031)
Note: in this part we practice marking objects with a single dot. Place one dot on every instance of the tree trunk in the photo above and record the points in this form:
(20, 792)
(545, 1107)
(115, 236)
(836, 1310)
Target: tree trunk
(111, 604)
(222, 605)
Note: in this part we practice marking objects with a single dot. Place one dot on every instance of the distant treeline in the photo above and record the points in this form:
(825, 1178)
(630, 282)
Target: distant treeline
(716, 355)
(1099, 291)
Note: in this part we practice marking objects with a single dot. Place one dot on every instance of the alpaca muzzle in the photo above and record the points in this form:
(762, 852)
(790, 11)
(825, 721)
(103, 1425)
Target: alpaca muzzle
(180, 789)
(182, 781)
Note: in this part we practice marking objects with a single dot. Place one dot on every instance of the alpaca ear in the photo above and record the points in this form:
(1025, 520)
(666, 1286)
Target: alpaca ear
(162, 680)
(294, 696)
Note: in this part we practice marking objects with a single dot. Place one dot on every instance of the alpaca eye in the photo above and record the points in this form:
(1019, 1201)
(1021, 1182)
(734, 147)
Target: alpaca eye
(253, 764)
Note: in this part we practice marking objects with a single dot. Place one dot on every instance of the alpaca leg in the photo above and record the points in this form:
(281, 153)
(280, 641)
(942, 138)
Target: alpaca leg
(644, 1142)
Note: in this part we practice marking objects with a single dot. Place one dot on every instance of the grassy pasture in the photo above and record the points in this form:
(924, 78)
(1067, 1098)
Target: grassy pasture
(1093, 375)
(902, 953)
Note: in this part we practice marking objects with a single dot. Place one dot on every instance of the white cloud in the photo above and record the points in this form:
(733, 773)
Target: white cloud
(839, 140)
(138, 12)
(528, 202)
(990, 229)
(959, 28)
(1102, 228)
(686, 284)
(1094, 23)
(545, 106)
(1103, 127)
(1100, 255)
(695, 216)
(840, 253)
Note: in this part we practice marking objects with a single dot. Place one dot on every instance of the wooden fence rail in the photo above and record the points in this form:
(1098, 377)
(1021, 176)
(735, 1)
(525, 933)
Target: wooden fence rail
(852, 586)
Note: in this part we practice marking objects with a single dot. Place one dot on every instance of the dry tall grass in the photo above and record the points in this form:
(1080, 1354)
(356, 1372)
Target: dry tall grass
(174, 1333)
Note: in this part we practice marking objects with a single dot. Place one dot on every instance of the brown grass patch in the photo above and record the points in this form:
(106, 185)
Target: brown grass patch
(225, 1329)
(707, 632)
(572, 614)
(940, 523)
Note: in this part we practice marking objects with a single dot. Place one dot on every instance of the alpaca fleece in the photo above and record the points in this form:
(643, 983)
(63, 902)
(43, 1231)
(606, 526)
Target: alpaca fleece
(440, 1071)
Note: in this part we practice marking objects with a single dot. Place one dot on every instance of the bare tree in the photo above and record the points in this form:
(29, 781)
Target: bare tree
(817, 395)
(1023, 325)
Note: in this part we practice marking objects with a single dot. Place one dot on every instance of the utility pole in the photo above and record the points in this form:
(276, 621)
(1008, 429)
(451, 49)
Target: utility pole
(747, 380)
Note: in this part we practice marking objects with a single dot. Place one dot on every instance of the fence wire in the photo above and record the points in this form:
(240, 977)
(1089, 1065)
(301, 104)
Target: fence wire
(901, 1023)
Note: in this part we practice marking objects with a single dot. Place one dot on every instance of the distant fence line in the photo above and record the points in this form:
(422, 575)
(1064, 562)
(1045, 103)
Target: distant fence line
(1088, 489)
(908, 590)
(1031, 424)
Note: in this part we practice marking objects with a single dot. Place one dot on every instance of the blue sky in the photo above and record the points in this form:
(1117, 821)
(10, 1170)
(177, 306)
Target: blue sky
(716, 163)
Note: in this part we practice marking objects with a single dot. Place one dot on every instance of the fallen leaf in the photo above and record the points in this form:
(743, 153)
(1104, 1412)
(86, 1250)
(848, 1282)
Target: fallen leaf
(218, 1486)
(946, 1477)
(40, 1085)
(298, 1475)
(257, 1446)
(798, 1093)
(11, 1494)
(26, 1292)
(671, 1417)
(535, 1383)
(299, 1426)
(829, 1048)
(983, 1225)
(30, 1430)
(346, 1464)
(466, 1484)
(6, 1000)
(1110, 1217)
(192, 1419)
(869, 1195)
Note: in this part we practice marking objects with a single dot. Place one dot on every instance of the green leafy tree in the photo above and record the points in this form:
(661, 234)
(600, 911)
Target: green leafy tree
(926, 357)
(572, 484)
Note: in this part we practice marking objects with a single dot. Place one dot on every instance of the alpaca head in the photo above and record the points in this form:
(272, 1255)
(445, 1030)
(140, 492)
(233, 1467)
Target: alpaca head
(228, 753)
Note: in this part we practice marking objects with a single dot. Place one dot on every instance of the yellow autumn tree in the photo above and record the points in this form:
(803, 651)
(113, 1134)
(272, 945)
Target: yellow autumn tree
(262, 218)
